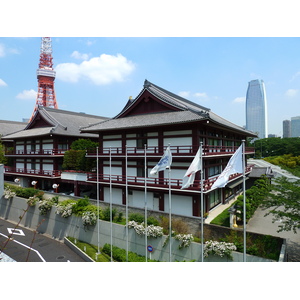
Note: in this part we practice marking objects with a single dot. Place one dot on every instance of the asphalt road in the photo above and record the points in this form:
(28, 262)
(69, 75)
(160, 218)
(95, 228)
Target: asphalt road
(43, 248)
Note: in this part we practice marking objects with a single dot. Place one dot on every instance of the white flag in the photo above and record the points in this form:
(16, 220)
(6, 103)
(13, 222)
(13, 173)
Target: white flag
(164, 163)
(235, 165)
(189, 176)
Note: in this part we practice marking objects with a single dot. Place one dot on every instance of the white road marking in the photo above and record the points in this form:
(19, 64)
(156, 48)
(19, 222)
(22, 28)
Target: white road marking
(15, 231)
(37, 252)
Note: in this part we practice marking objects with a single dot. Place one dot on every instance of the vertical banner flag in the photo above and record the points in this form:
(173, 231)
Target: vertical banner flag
(189, 176)
(164, 163)
(235, 165)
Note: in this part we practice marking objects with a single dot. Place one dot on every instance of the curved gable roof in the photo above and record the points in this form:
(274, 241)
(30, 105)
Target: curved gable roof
(182, 110)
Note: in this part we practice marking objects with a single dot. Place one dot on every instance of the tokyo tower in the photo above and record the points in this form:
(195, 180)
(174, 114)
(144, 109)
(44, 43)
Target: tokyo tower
(46, 76)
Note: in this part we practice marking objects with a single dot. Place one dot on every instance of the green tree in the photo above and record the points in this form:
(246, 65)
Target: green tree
(283, 202)
(3, 159)
(75, 158)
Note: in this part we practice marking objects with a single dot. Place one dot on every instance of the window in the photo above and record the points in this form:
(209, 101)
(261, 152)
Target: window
(141, 140)
(214, 198)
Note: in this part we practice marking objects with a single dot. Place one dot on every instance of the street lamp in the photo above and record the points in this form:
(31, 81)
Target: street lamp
(55, 187)
(34, 183)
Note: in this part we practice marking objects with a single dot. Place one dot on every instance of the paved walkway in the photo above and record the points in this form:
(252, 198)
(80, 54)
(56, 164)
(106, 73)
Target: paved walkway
(264, 225)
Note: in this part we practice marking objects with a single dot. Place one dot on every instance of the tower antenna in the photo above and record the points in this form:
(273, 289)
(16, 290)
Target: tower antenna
(46, 76)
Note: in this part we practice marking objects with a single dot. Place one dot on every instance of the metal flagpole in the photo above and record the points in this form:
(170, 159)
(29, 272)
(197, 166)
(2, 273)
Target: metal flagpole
(146, 238)
(126, 191)
(110, 203)
(170, 214)
(202, 204)
(244, 200)
(98, 213)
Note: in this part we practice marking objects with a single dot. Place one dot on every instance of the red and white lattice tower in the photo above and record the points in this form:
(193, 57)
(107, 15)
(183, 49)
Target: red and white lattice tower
(46, 76)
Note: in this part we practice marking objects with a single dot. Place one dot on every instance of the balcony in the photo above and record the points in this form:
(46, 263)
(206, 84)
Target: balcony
(155, 151)
(35, 153)
(31, 172)
(161, 183)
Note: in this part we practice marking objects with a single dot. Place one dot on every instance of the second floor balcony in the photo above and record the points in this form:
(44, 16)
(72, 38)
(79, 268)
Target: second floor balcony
(32, 172)
(161, 183)
(35, 153)
(155, 151)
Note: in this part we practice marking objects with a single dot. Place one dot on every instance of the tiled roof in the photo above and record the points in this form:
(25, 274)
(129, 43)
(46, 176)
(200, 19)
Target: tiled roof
(138, 121)
(189, 111)
(7, 127)
(61, 122)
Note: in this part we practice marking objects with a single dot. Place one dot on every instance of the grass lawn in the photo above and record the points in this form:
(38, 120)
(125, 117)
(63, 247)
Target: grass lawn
(90, 250)
(223, 218)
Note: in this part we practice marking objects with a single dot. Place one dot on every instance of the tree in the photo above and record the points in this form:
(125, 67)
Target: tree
(75, 159)
(283, 202)
(3, 159)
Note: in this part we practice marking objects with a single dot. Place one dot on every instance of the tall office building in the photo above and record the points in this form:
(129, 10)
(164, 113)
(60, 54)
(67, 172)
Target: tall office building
(286, 128)
(256, 108)
(295, 126)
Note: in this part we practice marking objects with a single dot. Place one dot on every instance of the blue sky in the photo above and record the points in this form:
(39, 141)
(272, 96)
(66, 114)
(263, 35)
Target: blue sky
(206, 52)
(97, 75)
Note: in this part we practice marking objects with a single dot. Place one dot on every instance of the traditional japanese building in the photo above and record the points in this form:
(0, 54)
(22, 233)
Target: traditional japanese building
(132, 143)
(36, 152)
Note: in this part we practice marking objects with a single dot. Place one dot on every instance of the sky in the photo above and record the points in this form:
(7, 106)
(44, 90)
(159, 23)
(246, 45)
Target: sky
(97, 75)
(102, 56)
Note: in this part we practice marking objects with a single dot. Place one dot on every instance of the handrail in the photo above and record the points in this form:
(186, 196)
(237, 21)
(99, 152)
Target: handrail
(46, 173)
(175, 150)
(158, 182)
(36, 152)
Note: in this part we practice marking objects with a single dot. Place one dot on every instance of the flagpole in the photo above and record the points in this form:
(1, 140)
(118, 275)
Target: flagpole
(244, 201)
(170, 214)
(98, 213)
(146, 240)
(202, 204)
(110, 204)
(126, 199)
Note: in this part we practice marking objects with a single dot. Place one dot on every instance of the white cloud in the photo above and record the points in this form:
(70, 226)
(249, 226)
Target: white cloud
(79, 55)
(295, 76)
(239, 100)
(195, 96)
(291, 93)
(201, 95)
(2, 83)
(184, 94)
(27, 95)
(101, 70)
(4, 50)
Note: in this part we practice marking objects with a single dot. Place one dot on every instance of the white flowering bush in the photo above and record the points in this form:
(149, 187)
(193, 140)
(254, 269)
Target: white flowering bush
(185, 239)
(152, 231)
(89, 218)
(45, 206)
(218, 248)
(8, 193)
(65, 210)
(31, 201)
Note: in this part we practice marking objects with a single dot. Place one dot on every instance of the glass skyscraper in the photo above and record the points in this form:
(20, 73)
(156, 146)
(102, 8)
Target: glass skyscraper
(256, 108)
(295, 126)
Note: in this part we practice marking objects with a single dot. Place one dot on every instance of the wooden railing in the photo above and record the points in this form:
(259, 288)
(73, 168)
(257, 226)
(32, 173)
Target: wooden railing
(157, 182)
(23, 171)
(175, 150)
(36, 152)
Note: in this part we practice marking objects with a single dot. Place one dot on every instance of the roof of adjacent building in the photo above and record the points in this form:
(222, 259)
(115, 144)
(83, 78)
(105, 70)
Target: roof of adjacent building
(8, 127)
(183, 111)
(56, 122)
(257, 172)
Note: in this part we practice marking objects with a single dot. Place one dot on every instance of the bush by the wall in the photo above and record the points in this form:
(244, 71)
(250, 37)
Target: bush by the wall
(119, 254)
